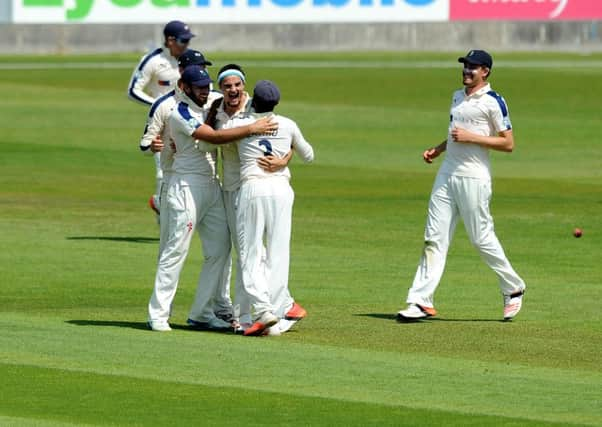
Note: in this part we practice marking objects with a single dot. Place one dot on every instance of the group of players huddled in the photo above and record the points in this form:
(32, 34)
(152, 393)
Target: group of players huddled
(248, 209)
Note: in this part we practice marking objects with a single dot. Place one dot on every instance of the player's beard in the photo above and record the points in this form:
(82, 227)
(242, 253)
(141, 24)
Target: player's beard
(200, 101)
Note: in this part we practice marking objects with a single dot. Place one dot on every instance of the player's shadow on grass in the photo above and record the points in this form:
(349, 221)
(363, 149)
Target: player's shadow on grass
(114, 323)
(138, 325)
(135, 239)
(389, 316)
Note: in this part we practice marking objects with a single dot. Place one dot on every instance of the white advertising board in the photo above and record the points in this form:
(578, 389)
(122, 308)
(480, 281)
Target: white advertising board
(228, 11)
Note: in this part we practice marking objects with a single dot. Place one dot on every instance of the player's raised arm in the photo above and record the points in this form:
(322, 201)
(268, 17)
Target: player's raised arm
(223, 136)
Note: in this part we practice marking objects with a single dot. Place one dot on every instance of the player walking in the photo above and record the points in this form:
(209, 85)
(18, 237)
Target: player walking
(479, 121)
(194, 202)
(156, 75)
(265, 211)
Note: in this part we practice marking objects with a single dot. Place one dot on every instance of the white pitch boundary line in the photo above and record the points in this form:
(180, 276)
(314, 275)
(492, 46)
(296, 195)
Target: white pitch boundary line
(314, 64)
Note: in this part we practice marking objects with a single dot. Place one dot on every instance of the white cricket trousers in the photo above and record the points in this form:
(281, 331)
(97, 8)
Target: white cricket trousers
(265, 207)
(453, 197)
(164, 223)
(193, 205)
(158, 173)
(242, 303)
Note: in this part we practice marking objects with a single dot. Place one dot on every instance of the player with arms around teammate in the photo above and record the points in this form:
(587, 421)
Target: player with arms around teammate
(156, 131)
(194, 201)
(236, 102)
(156, 75)
(265, 213)
(479, 122)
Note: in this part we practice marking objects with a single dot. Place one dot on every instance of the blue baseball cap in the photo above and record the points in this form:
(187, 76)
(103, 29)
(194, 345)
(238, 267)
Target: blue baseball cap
(177, 29)
(477, 57)
(266, 93)
(195, 75)
(192, 57)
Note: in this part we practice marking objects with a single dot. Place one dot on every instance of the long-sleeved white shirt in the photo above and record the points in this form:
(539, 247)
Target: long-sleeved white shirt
(277, 143)
(155, 75)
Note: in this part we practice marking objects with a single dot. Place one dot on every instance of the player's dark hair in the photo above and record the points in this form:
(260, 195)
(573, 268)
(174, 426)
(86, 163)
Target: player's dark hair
(262, 107)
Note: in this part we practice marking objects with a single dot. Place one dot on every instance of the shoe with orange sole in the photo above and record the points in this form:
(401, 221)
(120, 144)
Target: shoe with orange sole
(266, 320)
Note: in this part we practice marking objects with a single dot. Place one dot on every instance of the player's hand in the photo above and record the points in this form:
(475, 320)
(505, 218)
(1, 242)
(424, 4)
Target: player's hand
(271, 163)
(430, 154)
(156, 144)
(264, 125)
(460, 135)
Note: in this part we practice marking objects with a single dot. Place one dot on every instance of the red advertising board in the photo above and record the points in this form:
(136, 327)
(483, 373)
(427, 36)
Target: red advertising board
(525, 9)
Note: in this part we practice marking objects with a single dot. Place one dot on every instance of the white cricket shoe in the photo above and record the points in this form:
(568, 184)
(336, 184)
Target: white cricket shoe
(513, 304)
(159, 325)
(415, 312)
(285, 325)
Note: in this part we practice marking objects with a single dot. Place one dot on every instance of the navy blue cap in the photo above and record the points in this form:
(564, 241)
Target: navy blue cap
(195, 75)
(192, 57)
(266, 92)
(477, 57)
(177, 29)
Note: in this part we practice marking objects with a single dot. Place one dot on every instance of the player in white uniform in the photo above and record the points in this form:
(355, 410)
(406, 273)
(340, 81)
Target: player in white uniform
(236, 103)
(479, 121)
(156, 75)
(156, 131)
(194, 202)
(265, 212)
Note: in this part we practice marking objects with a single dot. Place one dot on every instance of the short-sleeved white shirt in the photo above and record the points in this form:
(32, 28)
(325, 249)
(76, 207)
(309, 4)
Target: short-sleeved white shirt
(192, 157)
(277, 143)
(155, 75)
(485, 113)
(229, 152)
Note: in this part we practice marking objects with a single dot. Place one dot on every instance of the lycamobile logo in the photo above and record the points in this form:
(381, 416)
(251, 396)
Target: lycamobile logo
(81, 8)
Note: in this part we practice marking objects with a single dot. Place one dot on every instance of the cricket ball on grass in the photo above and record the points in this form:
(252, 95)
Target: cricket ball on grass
(577, 232)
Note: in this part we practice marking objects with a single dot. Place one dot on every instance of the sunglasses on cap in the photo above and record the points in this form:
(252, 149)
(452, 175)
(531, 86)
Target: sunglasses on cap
(181, 41)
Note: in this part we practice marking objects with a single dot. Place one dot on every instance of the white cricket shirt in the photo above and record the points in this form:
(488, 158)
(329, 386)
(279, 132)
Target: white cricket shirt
(155, 75)
(192, 157)
(484, 113)
(229, 152)
(277, 143)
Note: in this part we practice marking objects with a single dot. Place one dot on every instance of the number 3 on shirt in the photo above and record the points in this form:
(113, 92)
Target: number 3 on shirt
(267, 145)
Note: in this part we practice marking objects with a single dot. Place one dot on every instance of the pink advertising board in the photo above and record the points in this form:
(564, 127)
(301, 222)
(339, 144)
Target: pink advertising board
(525, 9)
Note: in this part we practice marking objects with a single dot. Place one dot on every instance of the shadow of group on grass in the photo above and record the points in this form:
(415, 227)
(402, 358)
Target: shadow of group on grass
(137, 325)
(144, 326)
(390, 316)
(133, 239)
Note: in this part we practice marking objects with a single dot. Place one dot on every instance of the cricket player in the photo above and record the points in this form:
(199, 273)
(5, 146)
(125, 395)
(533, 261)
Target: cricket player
(264, 211)
(156, 131)
(236, 102)
(479, 122)
(194, 202)
(156, 75)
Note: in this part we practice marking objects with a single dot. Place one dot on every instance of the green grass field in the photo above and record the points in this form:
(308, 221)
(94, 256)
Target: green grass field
(79, 246)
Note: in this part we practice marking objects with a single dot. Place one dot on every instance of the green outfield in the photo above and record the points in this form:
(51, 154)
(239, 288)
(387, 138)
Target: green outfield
(79, 246)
